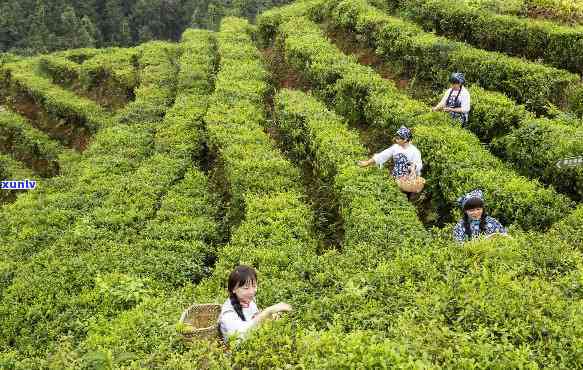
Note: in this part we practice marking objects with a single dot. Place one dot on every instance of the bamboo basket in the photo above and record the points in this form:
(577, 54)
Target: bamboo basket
(411, 184)
(200, 321)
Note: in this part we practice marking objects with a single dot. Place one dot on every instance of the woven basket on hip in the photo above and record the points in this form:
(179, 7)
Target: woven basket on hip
(200, 321)
(411, 184)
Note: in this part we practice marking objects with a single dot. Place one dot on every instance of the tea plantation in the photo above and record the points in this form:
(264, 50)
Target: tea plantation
(162, 166)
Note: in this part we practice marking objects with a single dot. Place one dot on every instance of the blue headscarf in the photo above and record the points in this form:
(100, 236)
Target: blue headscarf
(476, 194)
(457, 78)
(404, 133)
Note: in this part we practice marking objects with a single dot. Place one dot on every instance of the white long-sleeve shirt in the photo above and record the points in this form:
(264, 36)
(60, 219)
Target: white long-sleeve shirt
(230, 322)
(411, 152)
(464, 99)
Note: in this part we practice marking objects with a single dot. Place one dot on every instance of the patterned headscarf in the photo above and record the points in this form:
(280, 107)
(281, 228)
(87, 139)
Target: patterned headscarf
(457, 78)
(404, 133)
(476, 194)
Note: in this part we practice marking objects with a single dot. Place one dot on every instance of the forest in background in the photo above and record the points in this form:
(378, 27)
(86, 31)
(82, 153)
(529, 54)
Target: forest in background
(29, 27)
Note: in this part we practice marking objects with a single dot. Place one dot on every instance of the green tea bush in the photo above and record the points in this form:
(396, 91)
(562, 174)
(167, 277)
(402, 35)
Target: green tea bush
(157, 83)
(269, 21)
(198, 61)
(114, 153)
(537, 145)
(65, 275)
(40, 217)
(81, 55)
(11, 169)
(461, 163)
(28, 145)
(431, 57)
(277, 226)
(383, 107)
(172, 247)
(270, 216)
(61, 70)
(533, 39)
(235, 119)
(158, 240)
(493, 115)
(374, 212)
(183, 132)
(21, 79)
(483, 298)
(568, 12)
(570, 229)
(112, 74)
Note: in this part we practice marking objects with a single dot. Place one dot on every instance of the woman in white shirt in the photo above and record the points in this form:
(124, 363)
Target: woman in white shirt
(456, 100)
(406, 157)
(239, 313)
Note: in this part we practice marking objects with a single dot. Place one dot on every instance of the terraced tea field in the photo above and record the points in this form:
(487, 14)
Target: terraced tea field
(160, 167)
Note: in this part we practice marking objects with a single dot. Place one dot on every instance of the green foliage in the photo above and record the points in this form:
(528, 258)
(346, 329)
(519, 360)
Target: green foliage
(28, 144)
(494, 114)
(38, 218)
(59, 104)
(81, 55)
(198, 61)
(61, 70)
(79, 33)
(576, 101)
(459, 162)
(157, 83)
(555, 45)
(565, 11)
(235, 118)
(111, 75)
(367, 198)
(537, 145)
(570, 230)
(383, 107)
(183, 132)
(98, 263)
(119, 191)
(41, 26)
(269, 21)
(433, 58)
(11, 169)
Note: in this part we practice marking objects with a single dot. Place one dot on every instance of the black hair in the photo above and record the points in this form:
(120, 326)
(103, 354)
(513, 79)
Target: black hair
(473, 203)
(468, 229)
(402, 138)
(239, 276)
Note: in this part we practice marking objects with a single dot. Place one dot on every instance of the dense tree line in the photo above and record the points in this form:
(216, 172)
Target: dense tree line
(39, 26)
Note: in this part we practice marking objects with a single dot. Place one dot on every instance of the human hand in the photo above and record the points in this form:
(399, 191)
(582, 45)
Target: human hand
(280, 307)
(446, 109)
(362, 163)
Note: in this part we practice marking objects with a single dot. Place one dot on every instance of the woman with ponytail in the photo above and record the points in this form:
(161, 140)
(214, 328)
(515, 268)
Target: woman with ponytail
(475, 221)
(239, 313)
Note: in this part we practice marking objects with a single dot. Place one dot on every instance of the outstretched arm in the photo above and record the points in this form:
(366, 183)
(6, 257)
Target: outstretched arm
(379, 158)
(441, 104)
(366, 163)
(232, 325)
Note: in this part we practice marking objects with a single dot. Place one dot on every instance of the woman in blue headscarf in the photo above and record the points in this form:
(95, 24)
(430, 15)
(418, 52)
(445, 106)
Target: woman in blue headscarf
(475, 221)
(456, 100)
(406, 157)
